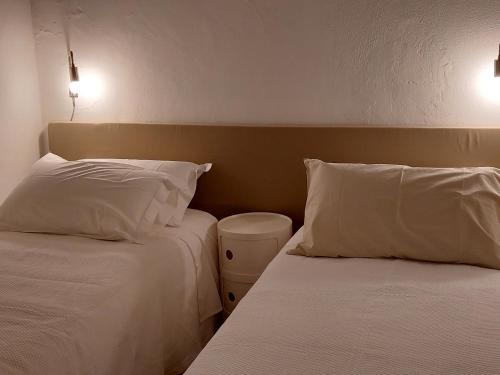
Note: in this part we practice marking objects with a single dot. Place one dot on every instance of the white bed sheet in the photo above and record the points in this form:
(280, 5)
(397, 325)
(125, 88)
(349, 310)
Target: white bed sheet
(72, 305)
(361, 316)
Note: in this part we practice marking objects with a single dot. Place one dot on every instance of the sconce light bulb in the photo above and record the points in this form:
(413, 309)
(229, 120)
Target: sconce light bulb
(74, 89)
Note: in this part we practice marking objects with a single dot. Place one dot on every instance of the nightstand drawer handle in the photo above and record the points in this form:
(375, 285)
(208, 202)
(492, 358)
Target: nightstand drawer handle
(229, 254)
(231, 296)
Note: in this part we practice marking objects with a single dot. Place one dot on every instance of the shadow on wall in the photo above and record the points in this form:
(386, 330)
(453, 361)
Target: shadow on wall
(43, 142)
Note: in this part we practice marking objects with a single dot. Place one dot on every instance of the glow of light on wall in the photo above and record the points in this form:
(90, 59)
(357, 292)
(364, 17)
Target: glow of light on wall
(92, 86)
(488, 85)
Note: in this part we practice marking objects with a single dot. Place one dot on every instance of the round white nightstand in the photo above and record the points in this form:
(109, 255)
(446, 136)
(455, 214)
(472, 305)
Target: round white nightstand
(247, 243)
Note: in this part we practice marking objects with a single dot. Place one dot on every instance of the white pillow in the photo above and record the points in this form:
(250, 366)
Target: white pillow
(182, 169)
(434, 214)
(180, 199)
(108, 201)
(47, 161)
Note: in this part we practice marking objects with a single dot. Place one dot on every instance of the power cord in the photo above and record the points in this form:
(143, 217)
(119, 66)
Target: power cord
(74, 106)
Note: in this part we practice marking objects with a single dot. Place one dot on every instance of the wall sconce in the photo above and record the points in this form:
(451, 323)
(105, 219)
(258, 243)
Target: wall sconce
(74, 79)
(497, 65)
(74, 82)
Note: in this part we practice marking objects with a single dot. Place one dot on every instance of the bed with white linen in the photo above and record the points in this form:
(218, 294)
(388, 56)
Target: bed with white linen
(395, 271)
(73, 305)
(360, 316)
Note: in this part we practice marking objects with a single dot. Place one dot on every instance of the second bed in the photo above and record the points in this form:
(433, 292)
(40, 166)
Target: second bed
(360, 316)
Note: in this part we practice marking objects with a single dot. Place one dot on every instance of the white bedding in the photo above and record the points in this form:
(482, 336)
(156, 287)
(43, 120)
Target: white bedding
(361, 316)
(71, 305)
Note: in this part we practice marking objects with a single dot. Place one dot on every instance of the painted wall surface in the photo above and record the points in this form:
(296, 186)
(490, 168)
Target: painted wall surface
(400, 62)
(20, 117)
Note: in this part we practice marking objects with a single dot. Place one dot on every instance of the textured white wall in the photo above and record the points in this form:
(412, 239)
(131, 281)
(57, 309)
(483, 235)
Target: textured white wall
(20, 118)
(400, 62)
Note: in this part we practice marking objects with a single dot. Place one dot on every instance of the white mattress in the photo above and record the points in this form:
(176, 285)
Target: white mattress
(71, 305)
(361, 316)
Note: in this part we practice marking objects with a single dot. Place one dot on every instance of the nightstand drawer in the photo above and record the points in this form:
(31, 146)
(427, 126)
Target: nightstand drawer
(233, 292)
(247, 256)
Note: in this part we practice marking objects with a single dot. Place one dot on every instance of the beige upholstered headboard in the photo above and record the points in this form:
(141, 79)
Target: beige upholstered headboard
(259, 168)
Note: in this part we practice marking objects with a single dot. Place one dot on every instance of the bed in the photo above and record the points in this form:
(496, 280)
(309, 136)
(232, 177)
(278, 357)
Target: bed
(360, 316)
(73, 305)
